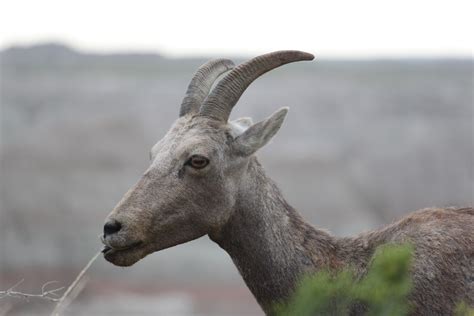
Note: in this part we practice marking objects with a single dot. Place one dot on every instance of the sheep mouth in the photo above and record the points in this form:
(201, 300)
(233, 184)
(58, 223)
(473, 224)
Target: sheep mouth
(125, 256)
(109, 250)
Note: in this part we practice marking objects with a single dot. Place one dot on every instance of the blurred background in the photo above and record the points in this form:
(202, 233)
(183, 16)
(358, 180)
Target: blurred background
(381, 124)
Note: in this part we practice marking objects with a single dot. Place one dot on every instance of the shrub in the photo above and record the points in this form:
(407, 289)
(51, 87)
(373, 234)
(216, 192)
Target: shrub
(382, 291)
(463, 309)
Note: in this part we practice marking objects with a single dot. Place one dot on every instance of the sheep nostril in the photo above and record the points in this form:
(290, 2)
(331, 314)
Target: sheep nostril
(111, 227)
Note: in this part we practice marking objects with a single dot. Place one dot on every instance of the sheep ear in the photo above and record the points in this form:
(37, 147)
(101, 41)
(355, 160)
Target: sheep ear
(239, 126)
(259, 134)
(245, 122)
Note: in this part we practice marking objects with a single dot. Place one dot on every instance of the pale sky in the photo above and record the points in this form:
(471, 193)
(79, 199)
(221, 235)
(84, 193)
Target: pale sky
(355, 28)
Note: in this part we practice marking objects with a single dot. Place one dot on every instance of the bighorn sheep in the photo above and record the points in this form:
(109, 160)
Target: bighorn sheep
(205, 179)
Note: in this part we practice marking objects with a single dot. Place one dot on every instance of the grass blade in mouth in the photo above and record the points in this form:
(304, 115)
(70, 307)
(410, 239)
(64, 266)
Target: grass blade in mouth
(61, 304)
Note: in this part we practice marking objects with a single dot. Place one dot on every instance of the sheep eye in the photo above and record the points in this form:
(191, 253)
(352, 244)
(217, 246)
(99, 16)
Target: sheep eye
(197, 161)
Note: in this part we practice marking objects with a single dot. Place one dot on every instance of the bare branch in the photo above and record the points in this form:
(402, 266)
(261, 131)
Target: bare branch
(50, 295)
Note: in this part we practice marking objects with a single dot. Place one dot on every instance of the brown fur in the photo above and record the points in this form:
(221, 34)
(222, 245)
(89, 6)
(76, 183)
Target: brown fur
(443, 269)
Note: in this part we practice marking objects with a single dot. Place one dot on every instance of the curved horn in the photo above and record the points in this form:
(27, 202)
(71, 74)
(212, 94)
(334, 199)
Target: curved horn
(201, 84)
(225, 95)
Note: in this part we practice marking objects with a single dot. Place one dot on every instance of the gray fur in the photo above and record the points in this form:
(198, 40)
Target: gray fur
(242, 210)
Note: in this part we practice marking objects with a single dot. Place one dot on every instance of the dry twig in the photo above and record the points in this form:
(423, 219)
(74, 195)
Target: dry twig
(59, 306)
(50, 295)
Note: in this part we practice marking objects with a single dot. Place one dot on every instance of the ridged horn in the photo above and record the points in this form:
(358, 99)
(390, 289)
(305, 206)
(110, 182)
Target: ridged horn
(201, 84)
(225, 95)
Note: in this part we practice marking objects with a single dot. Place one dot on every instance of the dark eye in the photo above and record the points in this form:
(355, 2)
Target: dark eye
(197, 161)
